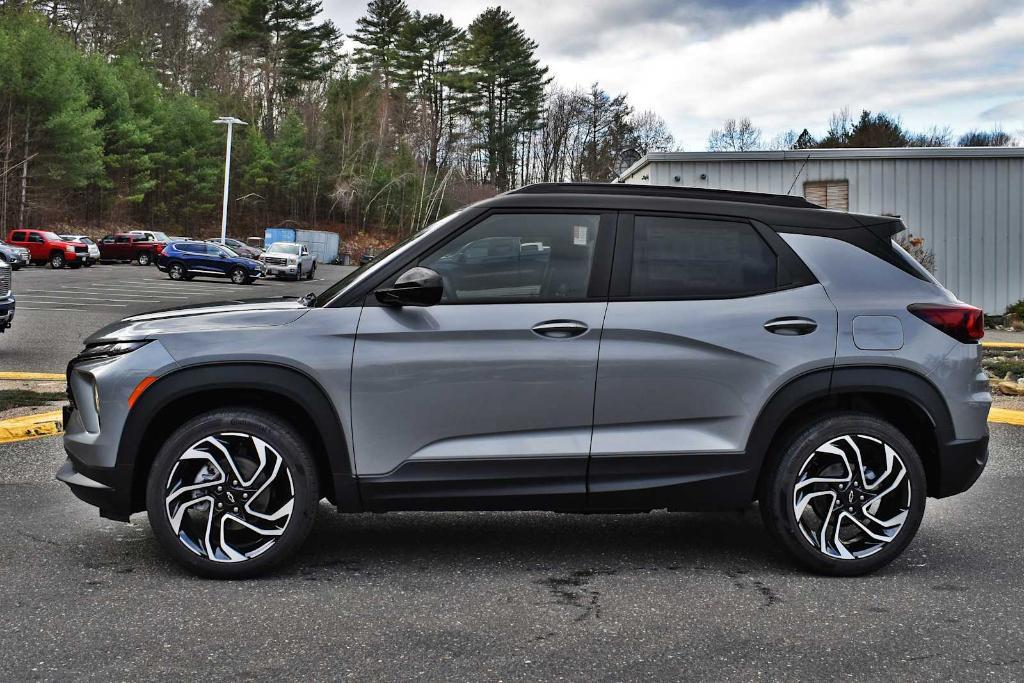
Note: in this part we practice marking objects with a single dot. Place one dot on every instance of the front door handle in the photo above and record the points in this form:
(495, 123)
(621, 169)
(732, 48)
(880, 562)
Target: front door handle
(791, 327)
(560, 329)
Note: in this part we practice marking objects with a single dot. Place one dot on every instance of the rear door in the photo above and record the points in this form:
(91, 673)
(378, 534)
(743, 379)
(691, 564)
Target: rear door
(486, 399)
(707, 318)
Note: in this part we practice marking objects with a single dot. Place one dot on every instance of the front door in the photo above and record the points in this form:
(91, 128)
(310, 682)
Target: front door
(706, 320)
(486, 399)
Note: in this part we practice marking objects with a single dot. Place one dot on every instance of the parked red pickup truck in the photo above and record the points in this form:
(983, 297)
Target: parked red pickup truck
(44, 246)
(128, 247)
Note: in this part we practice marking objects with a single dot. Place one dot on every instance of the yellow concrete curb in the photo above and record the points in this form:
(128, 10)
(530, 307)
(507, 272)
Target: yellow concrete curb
(32, 376)
(1006, 416)
(31, 426)
(1003, 345)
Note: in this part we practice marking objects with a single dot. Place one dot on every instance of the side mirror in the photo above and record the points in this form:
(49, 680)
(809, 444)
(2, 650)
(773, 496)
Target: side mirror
(414, 287)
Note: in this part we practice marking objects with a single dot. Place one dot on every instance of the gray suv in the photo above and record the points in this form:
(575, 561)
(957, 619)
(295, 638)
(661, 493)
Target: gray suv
(576, 348)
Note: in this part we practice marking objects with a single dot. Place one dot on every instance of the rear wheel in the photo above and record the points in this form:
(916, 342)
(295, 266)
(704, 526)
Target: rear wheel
(177, 271)
(232, 493)
(144, 258)
(56, 260)
(845, 495)
(312, 272)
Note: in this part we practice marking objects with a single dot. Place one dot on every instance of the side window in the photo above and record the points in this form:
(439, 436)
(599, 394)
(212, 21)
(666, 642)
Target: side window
(18, 237)
(698, 258)
(192, 248)
(122, 239)
(35, 237)
(519, 257)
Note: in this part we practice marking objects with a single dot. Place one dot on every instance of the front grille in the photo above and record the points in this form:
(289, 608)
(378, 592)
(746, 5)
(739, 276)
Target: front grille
(275, 261)
(5, 281)
(82, 250)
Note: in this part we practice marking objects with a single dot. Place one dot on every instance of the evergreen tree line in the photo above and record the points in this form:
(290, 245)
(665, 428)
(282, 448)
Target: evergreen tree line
(106, 111)
(877, 129)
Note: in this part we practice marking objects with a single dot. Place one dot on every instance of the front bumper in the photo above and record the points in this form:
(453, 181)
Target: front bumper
(960, 463)
(6, 312)
(283, 270)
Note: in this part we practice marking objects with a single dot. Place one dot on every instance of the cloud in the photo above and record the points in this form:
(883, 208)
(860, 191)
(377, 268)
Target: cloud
(1008, 111)
(786, 64)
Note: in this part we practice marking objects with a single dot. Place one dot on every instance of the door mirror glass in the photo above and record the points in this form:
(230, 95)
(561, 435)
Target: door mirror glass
(414, 287)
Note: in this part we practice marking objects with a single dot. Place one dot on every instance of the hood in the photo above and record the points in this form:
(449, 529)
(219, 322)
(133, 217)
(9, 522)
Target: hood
(221, 315)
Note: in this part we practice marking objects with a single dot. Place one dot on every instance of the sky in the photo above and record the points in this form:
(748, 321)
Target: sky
(786, 64)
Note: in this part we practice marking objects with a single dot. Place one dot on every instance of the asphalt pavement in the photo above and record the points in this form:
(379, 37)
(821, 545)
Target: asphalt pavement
(58, 309)
(509, 596)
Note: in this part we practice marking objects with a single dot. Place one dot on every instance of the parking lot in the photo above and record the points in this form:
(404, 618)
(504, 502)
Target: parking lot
(58, 309)
(509, 596)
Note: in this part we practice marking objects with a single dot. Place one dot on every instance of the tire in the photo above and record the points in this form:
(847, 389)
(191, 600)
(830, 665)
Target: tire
(312, 272)
(240, 277)
(808, 475)
(144, 258)
(57, 260)
(178, 271)
(234, 551)
(87, 264)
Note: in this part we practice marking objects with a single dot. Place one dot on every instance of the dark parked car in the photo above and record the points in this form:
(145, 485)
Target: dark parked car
(185, 260)
(129, 246)
(240, 248)
(6, 296)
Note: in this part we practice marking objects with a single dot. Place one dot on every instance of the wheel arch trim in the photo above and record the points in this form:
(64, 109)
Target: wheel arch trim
(274, 378)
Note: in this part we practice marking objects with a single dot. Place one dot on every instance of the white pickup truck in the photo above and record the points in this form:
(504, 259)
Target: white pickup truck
(289, 259)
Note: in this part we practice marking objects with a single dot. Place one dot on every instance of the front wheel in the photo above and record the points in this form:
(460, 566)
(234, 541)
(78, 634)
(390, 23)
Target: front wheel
(87, 264)
(232, 493)
(177, 271)
(57, 261)
(844, 495)
(239, 277)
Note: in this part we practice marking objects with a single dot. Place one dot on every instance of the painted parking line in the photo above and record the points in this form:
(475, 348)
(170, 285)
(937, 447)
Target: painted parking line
(32, 376)
(36, 298)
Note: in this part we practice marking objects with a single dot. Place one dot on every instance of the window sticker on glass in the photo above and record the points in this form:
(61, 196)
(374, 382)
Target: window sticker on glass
(579, 235)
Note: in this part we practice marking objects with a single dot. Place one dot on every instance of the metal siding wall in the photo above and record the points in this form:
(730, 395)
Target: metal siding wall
(970, 212)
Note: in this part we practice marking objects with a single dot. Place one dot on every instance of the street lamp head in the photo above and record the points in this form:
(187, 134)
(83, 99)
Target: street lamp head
(231, 120)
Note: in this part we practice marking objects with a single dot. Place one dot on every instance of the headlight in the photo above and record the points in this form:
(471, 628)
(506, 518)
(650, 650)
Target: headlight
(68, 248)
(106, 350)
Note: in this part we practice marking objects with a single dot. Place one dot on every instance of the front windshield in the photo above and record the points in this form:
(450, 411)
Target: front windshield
(325, 296)
(227, 250)
(161, 237)
(51, 236)
(282, 248)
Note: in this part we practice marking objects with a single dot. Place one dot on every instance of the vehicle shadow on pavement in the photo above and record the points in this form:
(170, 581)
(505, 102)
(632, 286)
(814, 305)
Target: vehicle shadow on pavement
(434, 541)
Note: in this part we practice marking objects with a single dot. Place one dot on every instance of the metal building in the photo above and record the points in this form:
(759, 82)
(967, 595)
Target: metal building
(966, 202)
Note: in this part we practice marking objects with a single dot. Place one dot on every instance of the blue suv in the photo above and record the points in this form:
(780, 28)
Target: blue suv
(185, 260)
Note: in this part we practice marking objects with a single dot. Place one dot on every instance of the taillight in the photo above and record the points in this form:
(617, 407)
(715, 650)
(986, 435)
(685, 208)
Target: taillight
(960, 321)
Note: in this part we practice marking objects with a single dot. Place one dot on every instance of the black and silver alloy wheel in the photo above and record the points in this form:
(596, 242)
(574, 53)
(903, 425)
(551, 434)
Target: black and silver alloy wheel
(239, 277)
(176, 271)
(845, 494)
(232, 493)
(229, 497)
(852, 496)
(144, 258)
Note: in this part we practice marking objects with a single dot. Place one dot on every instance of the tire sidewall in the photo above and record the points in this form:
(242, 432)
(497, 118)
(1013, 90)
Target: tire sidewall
(279, 435)
(176, 267)
(144, 259)
(777, 491)
(57, 261)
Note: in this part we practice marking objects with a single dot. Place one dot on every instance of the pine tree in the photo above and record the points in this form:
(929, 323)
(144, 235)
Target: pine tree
(378, 34)
(290, 48)
(502, 89)
(424, 70)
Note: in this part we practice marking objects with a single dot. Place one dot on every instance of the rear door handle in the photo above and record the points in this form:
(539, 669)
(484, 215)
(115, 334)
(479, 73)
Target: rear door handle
(791, 327)
(560, 329)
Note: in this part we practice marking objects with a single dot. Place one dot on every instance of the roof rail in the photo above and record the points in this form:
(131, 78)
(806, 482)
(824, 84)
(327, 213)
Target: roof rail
(666, 191)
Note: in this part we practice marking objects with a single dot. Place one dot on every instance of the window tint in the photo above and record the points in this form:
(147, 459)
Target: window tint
(122, 239)
(519, 257)
(35, 237)
(683, 257)
(18, 237)
(193, 247)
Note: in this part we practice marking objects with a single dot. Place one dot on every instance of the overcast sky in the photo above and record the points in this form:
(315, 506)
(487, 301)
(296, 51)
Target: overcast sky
(784, 63)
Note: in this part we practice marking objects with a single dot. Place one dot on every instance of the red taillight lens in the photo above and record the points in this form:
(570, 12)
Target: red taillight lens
(960, 321)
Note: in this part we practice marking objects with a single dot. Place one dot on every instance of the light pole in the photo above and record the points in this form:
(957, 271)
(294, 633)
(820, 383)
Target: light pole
(231, 122)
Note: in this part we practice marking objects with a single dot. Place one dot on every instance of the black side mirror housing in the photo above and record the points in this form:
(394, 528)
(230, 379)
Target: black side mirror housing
(415, 287)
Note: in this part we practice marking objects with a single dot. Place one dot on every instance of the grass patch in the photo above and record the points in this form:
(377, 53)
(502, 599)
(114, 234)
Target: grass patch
(18, 398)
